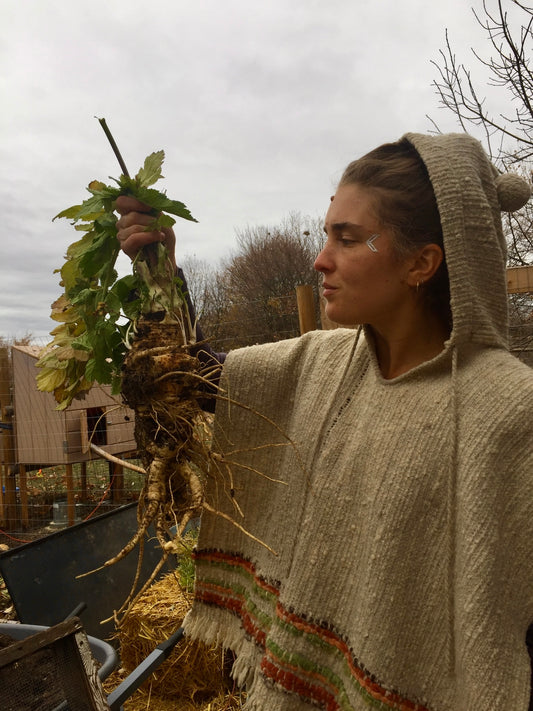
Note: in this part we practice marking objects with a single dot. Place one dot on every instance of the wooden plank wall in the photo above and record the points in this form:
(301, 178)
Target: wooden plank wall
(43, 436)
(39, 426)
(48, 437)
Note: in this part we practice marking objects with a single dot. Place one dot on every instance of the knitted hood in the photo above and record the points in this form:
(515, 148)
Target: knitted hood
(470, 196)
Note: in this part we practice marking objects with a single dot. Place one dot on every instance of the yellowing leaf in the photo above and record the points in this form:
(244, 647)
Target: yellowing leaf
(69, 353)
(49, 380)
(62, 310)
(96, 185)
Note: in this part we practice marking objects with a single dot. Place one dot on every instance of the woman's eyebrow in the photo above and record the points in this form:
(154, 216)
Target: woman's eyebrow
(340, 226)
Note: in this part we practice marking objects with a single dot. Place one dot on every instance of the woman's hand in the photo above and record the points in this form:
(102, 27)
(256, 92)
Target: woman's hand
(132, 234)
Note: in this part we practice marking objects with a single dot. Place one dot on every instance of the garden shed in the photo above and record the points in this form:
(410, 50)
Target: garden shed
(35, 434)
(46, 436)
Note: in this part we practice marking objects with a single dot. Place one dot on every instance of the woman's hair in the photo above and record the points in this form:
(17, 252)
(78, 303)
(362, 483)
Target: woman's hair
(404, 201)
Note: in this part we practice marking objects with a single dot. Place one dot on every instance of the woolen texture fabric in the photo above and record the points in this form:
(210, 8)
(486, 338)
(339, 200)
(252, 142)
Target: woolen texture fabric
(398, 513)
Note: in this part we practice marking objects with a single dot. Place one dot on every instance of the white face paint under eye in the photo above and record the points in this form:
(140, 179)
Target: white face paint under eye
(370, 243)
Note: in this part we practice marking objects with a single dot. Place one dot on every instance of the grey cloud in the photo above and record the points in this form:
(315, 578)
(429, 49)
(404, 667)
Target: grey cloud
(258, 108)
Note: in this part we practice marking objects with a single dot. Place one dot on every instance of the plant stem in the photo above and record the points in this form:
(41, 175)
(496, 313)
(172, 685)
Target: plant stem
(114, 146)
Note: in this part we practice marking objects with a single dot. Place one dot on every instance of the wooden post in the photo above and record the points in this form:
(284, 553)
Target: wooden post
(306, 308)
(520, 280)
(3, 477)
(117, 488)
(84, 495)
(23, 493)
(71, 501)
(5, 401)
(10, 485)
(2, 486)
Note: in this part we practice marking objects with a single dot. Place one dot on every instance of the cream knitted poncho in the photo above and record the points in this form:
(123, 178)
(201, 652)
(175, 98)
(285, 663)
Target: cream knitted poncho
(400, 511)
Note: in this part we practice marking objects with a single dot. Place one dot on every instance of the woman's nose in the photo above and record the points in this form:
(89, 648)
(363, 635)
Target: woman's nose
(322, 262)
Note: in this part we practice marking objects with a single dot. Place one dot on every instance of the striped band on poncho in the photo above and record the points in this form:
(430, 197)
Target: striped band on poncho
(256, 602)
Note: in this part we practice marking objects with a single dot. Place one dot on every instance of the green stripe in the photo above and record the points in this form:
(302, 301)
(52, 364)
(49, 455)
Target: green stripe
(250, 588)
(307, 665)
(259, 590)
(331, 651)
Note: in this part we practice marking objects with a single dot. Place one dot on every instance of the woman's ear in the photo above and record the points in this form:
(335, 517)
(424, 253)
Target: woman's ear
(424, 265)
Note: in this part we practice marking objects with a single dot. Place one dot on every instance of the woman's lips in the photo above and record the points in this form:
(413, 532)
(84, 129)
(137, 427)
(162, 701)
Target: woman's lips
(328, 289)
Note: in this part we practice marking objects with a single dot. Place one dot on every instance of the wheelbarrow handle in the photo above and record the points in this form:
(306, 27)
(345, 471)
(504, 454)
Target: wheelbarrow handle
(168, 645)
(143, 671)
(76, 611)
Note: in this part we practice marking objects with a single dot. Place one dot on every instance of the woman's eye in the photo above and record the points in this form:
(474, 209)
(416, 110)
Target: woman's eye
(347, 241)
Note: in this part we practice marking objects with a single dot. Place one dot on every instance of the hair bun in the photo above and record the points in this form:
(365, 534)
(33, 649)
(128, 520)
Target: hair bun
(513, 191)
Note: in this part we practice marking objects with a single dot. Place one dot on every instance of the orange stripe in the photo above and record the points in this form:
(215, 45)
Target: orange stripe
(289, 676)
(305, 690)
(227, 599)
(363, 677)
(237, 562)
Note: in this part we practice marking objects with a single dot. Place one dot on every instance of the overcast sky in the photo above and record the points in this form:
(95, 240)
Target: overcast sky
(258, 106)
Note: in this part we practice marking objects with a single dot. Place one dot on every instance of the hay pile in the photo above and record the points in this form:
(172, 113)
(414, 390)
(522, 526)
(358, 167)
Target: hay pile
(193, 677)
(145, 702)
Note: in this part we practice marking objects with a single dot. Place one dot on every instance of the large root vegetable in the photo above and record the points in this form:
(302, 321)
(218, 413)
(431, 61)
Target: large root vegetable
(136, 334)
(162, 385)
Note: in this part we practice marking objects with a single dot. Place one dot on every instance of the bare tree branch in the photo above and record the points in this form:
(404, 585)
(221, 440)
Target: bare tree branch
(509, 67)
(508, 135)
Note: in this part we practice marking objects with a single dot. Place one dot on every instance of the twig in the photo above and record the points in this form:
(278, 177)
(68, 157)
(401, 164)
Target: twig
(116, 460)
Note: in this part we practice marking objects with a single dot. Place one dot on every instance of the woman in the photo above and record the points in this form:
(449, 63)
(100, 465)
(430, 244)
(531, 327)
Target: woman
(386, 469)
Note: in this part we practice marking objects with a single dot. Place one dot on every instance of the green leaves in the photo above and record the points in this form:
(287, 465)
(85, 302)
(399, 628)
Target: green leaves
(151, 170)
(160, 202)
(97, 311)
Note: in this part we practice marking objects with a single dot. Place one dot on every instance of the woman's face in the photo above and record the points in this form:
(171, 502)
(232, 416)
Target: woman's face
(364, 280)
